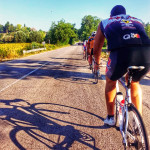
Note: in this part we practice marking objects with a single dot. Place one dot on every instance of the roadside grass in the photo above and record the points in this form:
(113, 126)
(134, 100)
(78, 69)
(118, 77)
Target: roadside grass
(15, 50)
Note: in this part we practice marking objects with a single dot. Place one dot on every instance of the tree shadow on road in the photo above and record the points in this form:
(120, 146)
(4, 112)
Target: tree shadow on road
(32, 122)
(57, 70)
(64, 71)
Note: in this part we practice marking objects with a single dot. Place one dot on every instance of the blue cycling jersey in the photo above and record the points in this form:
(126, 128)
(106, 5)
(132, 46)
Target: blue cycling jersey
(124, 31)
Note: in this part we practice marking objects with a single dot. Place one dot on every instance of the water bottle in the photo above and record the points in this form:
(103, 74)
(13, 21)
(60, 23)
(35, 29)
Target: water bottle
(121, 101)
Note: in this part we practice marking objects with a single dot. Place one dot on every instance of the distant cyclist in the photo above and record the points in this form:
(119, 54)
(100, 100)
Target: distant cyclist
(128, 45)
(84, 49)
(90, 45)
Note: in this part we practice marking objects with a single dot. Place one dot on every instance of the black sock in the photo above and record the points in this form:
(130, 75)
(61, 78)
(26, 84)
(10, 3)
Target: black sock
(109, 116)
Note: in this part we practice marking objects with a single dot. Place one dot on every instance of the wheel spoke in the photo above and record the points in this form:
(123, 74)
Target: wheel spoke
(136, 133)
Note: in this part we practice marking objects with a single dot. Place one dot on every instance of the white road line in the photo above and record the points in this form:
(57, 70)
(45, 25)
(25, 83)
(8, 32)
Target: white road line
(22, 77)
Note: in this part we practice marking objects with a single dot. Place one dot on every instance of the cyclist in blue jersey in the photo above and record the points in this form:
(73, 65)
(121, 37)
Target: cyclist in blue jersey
(129, 45)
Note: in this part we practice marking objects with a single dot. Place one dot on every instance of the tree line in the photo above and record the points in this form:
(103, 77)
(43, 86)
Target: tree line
(20, 34)
(60, 33)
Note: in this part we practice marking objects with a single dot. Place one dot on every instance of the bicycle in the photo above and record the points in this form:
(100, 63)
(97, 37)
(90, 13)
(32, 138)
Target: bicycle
(131, 124)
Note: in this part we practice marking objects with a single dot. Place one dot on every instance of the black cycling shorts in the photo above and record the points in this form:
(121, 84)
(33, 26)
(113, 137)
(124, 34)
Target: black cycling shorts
(119, 60)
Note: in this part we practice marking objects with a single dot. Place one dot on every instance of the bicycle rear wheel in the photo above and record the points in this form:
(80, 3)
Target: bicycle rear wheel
(136, 131)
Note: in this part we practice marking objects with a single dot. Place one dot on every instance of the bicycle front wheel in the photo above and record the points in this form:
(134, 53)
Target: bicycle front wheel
(116, 112)
(118, 99)
(136, 135)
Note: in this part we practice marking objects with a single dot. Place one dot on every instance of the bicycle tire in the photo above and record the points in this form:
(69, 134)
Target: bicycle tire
(117, 107)
(136, 130)
(116, 111)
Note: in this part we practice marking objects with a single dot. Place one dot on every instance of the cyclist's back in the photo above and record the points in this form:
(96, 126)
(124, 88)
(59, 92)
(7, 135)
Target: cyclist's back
(91, 42)
(124, 31)
(90, 46)
(128, 45)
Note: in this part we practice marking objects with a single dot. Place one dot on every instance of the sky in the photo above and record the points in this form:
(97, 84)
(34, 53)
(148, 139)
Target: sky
(39, 14)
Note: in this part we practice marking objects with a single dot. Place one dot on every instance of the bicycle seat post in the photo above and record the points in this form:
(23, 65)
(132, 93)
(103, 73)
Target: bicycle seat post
(129, 79)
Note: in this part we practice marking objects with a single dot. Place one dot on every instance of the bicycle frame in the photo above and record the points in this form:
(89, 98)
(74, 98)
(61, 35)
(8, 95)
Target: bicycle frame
(124, 108)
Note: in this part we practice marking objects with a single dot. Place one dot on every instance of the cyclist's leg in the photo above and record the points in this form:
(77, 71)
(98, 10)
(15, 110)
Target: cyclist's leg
(136, 91)
(110, 94)
(136, 95)
(114, 71)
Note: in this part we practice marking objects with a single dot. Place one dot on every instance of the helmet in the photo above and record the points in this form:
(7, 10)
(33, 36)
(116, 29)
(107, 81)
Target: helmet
(117, 10)
(93, 33)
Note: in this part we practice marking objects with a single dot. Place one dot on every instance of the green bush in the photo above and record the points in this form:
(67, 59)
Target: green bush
(36, 45)
(3, 53)
(50, 46)
(20, 37)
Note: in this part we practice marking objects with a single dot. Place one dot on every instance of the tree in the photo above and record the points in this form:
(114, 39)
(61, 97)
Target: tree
(43, 34)
(20, 37)
(6, 27)
(18, 27)
(88, 25)
(39, 38)
(8, 39)
(61, 33)
(35, 36)
(147, 29)
(11, 28)
(1, 28)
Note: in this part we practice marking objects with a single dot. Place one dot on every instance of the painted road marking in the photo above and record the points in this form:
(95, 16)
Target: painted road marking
(22, 77)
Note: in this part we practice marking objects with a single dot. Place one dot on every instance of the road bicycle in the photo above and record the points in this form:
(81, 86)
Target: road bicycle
(131, 124)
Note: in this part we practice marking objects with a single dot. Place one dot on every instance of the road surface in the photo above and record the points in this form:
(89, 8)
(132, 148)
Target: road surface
(49, 101)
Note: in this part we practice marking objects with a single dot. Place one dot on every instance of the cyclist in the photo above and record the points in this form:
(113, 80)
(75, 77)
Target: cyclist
(128, 45)
(90, 45)
(84, 48)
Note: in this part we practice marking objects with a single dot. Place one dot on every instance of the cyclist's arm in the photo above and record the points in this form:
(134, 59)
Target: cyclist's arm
(98, 44)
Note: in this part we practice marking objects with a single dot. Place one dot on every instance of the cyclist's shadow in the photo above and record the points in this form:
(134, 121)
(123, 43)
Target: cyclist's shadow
(27, 119)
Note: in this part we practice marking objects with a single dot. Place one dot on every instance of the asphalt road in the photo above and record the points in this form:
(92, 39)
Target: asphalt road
(49, 101)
